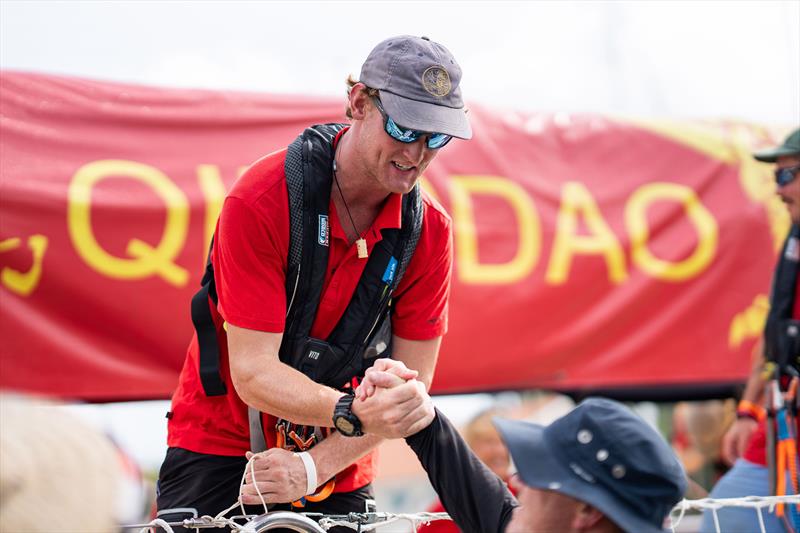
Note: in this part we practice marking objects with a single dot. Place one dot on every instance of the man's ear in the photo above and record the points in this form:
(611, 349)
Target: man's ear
(586, 517)
(359, 101)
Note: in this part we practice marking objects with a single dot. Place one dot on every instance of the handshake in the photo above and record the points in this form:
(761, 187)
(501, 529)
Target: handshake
(391, 402)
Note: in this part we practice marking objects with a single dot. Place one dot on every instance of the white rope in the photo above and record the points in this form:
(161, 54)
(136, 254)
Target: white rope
(371, 521)
(157, 523)
(239, 502)
(754, 502)
(219, 520)
(758, 503)
(761, 525)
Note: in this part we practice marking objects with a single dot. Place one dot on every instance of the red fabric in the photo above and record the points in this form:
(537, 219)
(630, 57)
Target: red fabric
(543, 207)
(756, 451)
(796, 311)
(250, 250)
(443, 526)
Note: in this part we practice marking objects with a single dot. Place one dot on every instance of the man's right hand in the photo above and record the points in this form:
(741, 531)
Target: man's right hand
(735, 440)
(384, 373)
(391, 403)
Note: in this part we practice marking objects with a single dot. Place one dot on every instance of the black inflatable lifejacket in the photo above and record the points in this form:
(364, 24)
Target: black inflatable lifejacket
(363, 333)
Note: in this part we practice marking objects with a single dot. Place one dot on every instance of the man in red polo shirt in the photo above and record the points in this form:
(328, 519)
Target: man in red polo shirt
(406, 106)
(745, 443)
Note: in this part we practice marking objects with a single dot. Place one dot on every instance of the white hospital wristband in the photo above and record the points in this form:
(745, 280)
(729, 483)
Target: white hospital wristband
(311, 472)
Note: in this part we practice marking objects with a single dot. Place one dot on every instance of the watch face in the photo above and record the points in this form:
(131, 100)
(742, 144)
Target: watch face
(345, 426)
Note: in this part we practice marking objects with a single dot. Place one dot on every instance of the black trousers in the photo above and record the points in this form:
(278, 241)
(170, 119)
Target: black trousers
(196, 484)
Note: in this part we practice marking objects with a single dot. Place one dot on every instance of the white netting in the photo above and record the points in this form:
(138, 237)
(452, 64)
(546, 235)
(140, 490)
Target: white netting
(371, 521)
(757, 503)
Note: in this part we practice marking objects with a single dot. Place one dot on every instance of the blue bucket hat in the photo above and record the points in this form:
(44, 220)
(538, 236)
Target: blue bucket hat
(603, 454)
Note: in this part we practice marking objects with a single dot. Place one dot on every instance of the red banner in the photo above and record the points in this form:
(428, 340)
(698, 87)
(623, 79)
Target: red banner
(590, 251)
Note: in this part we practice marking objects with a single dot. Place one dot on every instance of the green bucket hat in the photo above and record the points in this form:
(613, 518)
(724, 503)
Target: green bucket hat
(791, 146)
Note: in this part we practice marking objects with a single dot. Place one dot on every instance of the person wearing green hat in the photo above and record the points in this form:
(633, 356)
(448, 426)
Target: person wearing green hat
(745, 445)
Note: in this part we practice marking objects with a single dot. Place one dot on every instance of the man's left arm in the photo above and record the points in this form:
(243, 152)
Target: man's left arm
(418, 355)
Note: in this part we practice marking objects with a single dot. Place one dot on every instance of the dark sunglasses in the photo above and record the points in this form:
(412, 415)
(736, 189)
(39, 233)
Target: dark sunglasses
(784, 176)
(398, 133)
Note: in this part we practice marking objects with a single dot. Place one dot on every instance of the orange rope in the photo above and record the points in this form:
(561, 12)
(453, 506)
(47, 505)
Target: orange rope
(780, 489)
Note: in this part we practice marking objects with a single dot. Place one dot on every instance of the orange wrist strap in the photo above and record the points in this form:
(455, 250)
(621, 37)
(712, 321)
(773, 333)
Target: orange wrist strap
(751, 410)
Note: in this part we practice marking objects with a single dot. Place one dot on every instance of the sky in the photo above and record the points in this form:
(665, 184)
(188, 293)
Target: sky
(679, 60)
(732, 59)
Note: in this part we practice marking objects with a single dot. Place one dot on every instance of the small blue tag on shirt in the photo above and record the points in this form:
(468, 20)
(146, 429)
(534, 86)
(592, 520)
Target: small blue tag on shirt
(322, 230)
(391, 270)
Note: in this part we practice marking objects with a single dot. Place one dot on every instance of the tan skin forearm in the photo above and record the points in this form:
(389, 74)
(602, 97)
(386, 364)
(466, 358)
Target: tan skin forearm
(400, 409)
(267, 384)
(754, 388)
(735, 441)
(337, 452)
(262, 381)
(418, 355)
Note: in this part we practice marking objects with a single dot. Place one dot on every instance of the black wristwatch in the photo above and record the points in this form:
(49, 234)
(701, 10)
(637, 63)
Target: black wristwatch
(344, 420)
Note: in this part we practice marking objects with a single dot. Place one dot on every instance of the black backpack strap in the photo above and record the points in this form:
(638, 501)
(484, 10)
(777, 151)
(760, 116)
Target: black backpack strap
(415, 213)
(308, 167)
(207, 333)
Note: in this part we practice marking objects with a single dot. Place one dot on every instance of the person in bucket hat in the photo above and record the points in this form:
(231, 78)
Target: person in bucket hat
(268, 375)
(599, 468)
(745, 445)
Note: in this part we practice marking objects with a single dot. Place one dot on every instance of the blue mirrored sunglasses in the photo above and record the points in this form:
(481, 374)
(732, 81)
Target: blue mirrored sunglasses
(398, 133)
(784, 176)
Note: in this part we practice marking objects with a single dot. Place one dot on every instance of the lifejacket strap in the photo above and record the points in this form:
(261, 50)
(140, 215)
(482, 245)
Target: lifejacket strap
(257, 441)
(207, 342)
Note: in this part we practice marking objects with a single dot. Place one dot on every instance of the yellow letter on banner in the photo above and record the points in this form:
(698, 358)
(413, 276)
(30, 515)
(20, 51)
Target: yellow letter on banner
(575, 198)
(470, 270)
(749, 324)
(24, 283)
(699, 216)
(147, 260)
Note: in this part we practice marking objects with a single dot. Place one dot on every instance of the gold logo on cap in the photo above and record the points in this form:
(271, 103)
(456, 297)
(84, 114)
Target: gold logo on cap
(436, 81)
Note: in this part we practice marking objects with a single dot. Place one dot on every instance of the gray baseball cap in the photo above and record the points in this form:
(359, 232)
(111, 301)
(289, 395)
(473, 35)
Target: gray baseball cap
(419, 85)
(603, 454)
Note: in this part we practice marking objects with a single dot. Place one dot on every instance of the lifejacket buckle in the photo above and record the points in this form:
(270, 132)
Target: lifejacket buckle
(313, 356)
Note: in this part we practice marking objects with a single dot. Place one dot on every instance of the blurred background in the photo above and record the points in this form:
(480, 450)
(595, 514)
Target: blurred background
(725, 71)
(665, 59)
